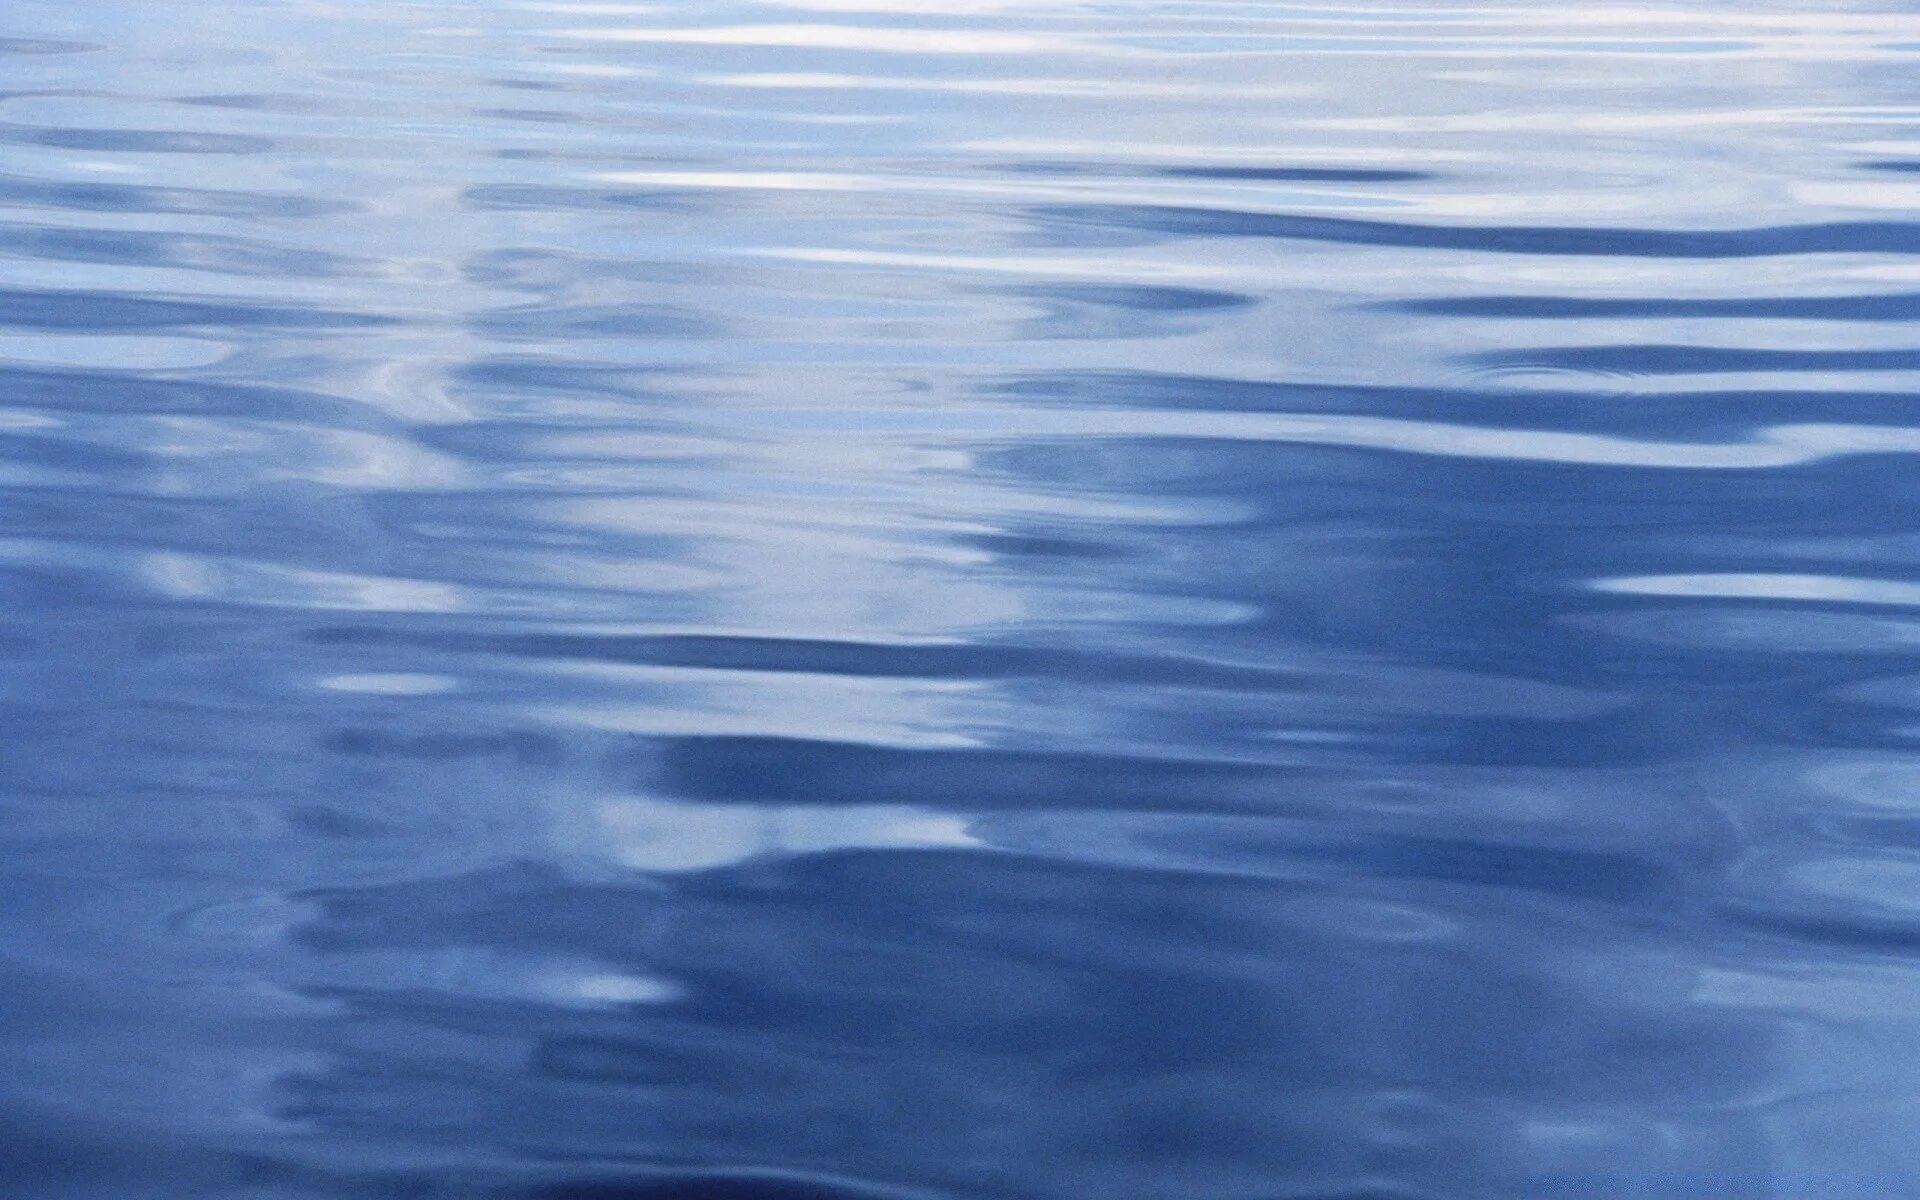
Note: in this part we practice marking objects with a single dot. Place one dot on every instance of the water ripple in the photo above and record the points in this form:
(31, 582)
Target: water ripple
(1843, 237)
(1012, 598)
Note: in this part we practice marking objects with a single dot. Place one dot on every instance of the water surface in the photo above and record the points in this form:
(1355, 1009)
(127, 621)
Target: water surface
(1030, 599)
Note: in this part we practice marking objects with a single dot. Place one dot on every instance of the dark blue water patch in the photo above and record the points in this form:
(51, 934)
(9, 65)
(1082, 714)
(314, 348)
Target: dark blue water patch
(1654, 734)
(772, 770)
(1563, 737)
(130, 521)
(785, 770)
(1139, 301)
(77, 311)
(1616, 877)
(34, 46)
(1723, 414)
(848, 659)
(254, 101)
(23, 192)
(511, 906)
(537, 116)
(1159, 977)
(524, 84)
(611, 1182)
(57, 1153)
(137, 141)
(703, 1186)
(540, 323)
(210, 253)
(1014, 546)
(523, 747)
(1865, 237)
(1897, 306)
(1297, 174)
(1820, 720)
(1693, 360)
(63, 453)
(129, 392)
(545, 198)
(1225, 173)
(1290, 487)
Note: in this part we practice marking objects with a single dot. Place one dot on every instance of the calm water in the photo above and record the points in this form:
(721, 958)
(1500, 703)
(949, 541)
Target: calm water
(1028, 599)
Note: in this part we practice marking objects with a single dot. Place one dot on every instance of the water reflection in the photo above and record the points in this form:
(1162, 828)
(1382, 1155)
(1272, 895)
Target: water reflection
(1022, 599)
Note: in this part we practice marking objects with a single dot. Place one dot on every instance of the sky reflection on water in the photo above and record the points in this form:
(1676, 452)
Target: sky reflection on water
(1008, 598)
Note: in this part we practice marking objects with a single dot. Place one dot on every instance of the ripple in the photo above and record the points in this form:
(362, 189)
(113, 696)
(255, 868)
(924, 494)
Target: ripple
(834, 37)
(396, 683)
(29, 46)
(190, 577)
(1015, 599)
(1823, 588)
(1632, 361)
(1856, 899)
(1868, 237)
(711, 1186)
(138, 141)
(1904, 306)
(213, 253)
(652, 836)
(77, 311)
(24, 192)
(1249, 174)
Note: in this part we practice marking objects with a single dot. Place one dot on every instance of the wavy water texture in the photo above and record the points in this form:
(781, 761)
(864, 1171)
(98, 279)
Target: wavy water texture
(1030, 599)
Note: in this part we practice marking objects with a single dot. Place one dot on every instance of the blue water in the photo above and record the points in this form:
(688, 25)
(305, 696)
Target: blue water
(982, 600)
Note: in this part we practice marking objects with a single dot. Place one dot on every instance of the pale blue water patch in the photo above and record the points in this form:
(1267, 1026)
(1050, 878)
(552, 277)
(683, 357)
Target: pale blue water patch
(1003, 598)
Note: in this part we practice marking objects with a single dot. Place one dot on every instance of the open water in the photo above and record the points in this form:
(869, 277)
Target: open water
(965, 600)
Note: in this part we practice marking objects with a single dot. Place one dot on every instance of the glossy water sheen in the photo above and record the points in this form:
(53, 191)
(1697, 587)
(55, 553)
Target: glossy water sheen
(1032, 599)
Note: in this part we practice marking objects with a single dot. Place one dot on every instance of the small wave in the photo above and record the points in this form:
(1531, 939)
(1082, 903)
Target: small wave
(1627, 362)
(711, 1186)
(1866, 237)
(1902, 306)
